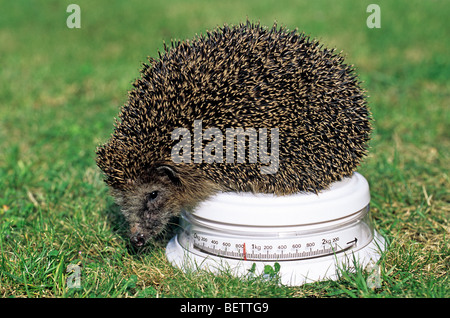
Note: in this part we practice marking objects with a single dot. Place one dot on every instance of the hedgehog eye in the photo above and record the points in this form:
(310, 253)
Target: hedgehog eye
(152, 196)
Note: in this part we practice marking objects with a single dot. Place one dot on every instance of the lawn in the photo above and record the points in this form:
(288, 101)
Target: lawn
(61, 89)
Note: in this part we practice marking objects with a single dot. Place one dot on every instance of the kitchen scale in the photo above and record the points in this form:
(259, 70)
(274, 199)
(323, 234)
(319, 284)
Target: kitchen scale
(311, 236)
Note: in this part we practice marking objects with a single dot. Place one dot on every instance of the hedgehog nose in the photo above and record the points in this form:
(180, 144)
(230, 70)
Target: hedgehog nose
(138, 240)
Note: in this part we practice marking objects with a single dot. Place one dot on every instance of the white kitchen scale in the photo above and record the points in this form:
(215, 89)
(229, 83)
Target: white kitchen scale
(311, 236)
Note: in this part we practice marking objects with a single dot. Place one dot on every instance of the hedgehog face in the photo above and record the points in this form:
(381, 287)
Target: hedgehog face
(150, 204)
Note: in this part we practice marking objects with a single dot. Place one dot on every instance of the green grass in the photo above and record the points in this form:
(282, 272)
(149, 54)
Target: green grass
(61, 89)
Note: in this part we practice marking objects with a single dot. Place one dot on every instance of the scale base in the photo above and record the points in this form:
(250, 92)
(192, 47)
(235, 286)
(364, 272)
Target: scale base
(292, 273)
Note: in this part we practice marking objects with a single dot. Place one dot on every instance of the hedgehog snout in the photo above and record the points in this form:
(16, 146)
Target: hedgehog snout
(138, 240)
(137, 236)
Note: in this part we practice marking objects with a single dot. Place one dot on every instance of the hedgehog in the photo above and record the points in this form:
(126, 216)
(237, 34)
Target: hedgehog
(167, 152)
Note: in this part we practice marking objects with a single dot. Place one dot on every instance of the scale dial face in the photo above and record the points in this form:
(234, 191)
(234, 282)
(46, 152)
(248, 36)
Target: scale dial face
(276, 243)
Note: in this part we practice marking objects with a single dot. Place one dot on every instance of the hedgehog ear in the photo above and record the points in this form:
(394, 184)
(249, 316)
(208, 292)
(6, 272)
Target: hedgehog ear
(169, 172)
